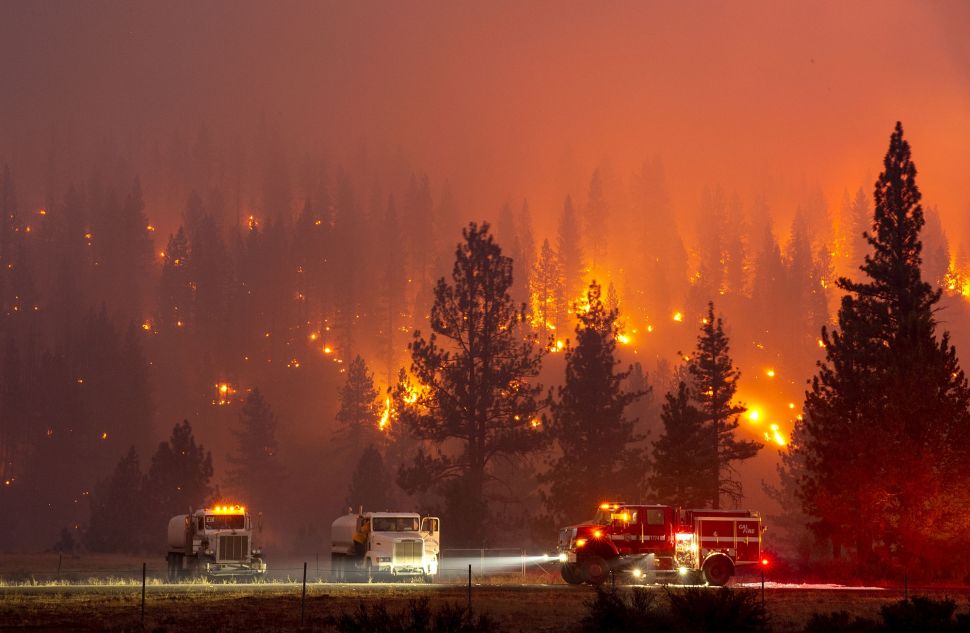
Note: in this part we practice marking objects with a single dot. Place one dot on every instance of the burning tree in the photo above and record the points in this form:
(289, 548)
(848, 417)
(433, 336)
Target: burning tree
(599, 459)
(714, 382)
(475, 405)
(885, 438)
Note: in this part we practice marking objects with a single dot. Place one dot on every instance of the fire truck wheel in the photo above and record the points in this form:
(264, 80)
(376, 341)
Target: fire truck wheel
(717, 571)
(596, 570)
(570, 573)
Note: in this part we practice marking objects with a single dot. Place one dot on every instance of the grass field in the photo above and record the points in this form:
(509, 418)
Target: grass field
(85, 600)
(276, 607)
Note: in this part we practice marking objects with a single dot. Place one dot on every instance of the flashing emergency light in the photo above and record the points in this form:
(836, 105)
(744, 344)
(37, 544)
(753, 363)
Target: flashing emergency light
(764, 562)
(228, 509)
(597, 533)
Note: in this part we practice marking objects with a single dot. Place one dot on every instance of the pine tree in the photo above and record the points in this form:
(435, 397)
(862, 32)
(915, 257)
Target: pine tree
(596, 224)
(358, 413)
(255, 470)
(393, 285)
(527, 244)
(682, 458)
(548, 300)
(179, 476)
(476, 392)
(370, 485)
(713, 386)
(175, 300)
(885, 434)
(120, 493)
(600, 459)
(860, 220)
(569, 251)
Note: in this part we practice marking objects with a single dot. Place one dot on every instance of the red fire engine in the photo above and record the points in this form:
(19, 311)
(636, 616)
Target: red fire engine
(644, 541)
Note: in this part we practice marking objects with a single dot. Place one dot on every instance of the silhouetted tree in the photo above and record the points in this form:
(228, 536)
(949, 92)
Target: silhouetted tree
(885, 435)
(682, 455)
(569, 250)
(600, 459)
(255, 470)
(596, 224)
(358, 412)
(476, 392)
(118, 507)
(175, 300)
(178, 477)
(547, 292)
(370, 485)
(713, 386)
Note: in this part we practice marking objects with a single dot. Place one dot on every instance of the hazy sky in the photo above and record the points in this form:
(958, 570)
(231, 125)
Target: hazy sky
(517, 98)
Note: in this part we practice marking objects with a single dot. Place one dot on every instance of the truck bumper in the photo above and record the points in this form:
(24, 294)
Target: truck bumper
(254, 569)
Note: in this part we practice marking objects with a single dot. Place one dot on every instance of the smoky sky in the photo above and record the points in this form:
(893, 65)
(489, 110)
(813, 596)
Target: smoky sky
(513, 99)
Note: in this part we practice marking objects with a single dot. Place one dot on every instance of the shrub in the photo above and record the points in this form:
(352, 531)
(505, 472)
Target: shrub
(417, 617)
(718, 611)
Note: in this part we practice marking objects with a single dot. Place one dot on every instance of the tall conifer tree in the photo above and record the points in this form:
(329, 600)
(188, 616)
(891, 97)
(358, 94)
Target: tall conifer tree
(477, 400)
(885, 436)
(599, 458)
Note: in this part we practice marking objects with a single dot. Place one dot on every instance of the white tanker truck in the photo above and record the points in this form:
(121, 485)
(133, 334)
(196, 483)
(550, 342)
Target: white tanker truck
(371, 545)
(215, 542)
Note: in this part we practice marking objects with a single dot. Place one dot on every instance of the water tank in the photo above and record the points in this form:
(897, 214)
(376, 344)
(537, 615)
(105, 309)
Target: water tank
(176, 531)
(342, 534)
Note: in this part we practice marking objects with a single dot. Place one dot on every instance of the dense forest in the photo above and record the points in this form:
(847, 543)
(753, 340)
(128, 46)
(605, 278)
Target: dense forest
(223, 317)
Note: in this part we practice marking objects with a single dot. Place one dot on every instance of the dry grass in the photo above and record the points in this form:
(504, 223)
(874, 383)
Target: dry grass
(275, 607)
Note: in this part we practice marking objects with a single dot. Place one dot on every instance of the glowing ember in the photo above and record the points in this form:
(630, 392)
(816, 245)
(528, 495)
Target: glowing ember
(224, 393)
(104, 435)
(147, 326)
(678, 316)
(770, 373)
(754, 415)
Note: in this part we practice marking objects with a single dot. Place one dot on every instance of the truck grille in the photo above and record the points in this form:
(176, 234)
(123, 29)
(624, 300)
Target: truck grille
(233, 548)
(408, 552)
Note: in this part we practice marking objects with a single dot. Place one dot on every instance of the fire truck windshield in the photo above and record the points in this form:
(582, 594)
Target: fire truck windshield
(225, 521)
(602, 517)
(395, 524)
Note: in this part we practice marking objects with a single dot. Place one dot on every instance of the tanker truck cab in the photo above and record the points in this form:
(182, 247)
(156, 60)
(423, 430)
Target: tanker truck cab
(215, 543)
(385, 544)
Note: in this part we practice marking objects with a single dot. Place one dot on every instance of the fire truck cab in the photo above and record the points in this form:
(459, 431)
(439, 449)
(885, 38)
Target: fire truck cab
(637, 542)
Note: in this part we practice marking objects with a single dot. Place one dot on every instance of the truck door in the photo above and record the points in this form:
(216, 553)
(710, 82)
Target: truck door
(431, 532)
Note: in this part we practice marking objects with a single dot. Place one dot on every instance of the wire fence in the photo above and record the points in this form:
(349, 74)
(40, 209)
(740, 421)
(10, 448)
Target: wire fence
(453, 566)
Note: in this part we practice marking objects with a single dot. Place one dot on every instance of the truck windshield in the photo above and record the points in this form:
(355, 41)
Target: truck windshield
(225, 521)
(395, 524)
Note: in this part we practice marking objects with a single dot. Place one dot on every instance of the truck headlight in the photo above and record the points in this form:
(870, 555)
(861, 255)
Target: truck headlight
(563, 557)
(209, 552)
(383, 559)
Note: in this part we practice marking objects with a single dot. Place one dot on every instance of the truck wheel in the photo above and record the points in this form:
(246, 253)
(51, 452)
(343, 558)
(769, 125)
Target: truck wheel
(570, 573)
(717, 571)
(596, 570)
(369, 570)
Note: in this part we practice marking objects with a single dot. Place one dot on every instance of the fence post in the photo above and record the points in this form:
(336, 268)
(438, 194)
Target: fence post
(482, 570)
(144, 569)
(303, 599)
(469, 588)
(59, 556)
